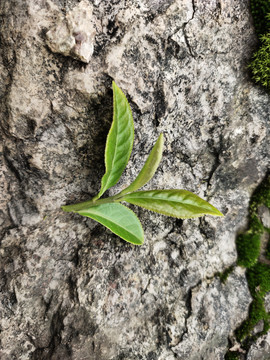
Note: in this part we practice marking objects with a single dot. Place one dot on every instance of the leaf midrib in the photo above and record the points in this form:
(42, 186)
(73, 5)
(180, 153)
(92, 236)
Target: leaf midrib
(158, 198)
(115, 120)
(116, 124)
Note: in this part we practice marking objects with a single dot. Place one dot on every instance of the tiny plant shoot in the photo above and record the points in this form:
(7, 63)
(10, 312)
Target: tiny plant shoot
(117, 217)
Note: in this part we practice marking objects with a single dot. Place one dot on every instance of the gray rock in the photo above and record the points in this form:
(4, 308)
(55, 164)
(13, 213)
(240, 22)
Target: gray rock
(267, 302)
(261, 349)
(69, 289)
(264, 215)
(215, 309)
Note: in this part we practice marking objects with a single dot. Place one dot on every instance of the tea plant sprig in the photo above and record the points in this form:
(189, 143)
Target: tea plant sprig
(108, 211)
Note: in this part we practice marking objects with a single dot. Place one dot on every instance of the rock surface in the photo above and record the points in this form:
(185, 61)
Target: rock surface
(73, 35)
(261, 349)
(69, 288)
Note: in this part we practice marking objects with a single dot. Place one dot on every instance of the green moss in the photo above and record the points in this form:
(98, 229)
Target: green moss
(261, 194)
(256, 313)
(248, 244)
(248, 249)
(260, 9)
(260, 63)
(232, 355)
(255, 224)
(258, 278)
(268, 250)
(258, 274)
(224, 275)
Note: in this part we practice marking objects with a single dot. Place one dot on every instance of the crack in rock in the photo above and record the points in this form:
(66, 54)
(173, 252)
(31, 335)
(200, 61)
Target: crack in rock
(185, 32)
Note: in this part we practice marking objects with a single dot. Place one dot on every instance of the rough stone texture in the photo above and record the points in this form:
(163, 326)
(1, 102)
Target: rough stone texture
(211, 318)
(73, 35)
(69, 288)
(264, 215)
(261, 349)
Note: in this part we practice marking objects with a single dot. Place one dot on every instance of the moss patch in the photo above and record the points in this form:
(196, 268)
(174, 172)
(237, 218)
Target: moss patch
(224, 275)
(248, 248)
(257, 313)
(248, 244)
(258, 274)
(258, 278)
(268, 250)
(260, 64)
(232, 355)
(260, 9)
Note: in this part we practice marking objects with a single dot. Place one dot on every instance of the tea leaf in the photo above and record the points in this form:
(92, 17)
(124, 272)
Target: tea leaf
(176, 203)
(119, 141)
(149, 167)
(119, 219)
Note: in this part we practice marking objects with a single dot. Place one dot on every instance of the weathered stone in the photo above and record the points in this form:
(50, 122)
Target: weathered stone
(73, 35)
(215, 309)
(264, 215)
(69, 289)
(261, 349)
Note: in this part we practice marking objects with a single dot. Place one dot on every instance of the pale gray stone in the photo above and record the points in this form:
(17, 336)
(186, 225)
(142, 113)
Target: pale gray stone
(267, 302)
(215, 309)
(261, 349)
(264, 214)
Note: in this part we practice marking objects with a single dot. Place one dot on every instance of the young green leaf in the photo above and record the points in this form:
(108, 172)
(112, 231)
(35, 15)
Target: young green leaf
(149, 167)
(119, 219)
(176, 203)
(119, 141)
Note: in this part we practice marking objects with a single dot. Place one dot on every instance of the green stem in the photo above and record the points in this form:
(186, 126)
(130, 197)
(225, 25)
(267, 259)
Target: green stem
(86, 204)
